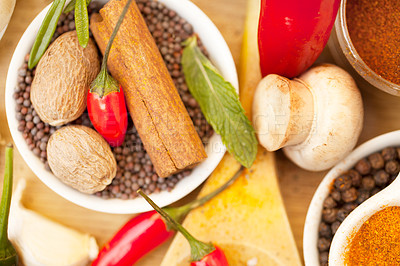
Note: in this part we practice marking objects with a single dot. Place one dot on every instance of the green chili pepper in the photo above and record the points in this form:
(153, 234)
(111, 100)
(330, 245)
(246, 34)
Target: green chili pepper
(82, 22)
(46, 32)
(8, 254)
(71, 6)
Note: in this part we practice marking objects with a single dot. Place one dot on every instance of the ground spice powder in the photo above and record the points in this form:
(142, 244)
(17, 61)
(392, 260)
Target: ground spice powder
(378, 240)
(374, 28)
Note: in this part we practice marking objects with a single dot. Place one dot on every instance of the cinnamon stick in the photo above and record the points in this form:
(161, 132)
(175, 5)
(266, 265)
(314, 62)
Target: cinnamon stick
(154, 104)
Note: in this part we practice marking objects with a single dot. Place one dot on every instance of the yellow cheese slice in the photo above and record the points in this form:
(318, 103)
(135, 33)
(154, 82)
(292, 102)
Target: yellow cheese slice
(248, 220)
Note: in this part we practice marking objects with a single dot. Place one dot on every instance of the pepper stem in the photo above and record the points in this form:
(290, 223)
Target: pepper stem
(103, 84)
(179, 212)
(198, 249)
(7, 251)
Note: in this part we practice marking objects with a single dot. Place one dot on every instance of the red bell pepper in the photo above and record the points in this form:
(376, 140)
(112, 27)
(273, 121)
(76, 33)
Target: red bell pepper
(147, 231)
(106, 101)
(293, 33)
(202, 254)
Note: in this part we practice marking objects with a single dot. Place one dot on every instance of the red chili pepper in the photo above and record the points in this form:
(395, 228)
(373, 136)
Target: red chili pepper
(147, 231)
(108, 115)
(106, 101)
(135, 239)
(202, 254)
(293, 33)
(215, 258)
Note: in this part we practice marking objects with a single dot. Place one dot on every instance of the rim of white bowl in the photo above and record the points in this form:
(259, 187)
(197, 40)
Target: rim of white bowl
(221, 57)
(313, 218)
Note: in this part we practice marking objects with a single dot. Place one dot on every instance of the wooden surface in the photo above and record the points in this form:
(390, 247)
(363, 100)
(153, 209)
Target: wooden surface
(297, 185)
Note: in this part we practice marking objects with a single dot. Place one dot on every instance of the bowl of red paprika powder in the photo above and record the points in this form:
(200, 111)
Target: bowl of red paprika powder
(365, 41)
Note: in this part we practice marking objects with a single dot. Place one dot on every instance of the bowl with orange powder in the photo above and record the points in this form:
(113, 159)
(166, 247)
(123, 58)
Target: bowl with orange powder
(362, 175)
(366, 41)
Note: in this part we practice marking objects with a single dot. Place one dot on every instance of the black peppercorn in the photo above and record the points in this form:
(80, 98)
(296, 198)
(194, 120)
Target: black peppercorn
(349, 195)
(381, 178)
(389, 153)
(342, 214)
(335, 194)
(325, 230)
(363, 195)
(343, 182)
(335, 227)
(329, 202)
(323, 244)
(349, 207)
(392, 167)
(355, 177)
(368, 183)
(376, 160)
(329, 215)
(323, 258)
(363, 166)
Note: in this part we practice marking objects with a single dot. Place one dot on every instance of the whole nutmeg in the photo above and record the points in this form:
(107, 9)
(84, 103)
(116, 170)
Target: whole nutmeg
(81, 158)
(62, 79)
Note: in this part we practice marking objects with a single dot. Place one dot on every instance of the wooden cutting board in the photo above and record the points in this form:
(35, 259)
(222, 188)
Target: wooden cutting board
(297, 186)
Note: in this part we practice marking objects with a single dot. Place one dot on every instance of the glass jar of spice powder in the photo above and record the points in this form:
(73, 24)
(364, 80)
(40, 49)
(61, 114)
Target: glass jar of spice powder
(372, 30)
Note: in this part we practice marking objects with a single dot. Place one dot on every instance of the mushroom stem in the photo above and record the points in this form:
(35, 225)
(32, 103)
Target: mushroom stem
(316, 118)
(289, 112)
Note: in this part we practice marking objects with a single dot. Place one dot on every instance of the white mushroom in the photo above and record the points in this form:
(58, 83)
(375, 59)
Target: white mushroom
(316, 118)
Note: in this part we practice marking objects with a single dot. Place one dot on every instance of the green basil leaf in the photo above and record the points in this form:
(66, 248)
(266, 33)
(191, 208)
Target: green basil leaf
(219, 103)
(82, 22)
(71, 6)
(46, 32)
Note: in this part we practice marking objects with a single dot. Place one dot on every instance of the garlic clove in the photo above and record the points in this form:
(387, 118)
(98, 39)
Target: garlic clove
(41, 241)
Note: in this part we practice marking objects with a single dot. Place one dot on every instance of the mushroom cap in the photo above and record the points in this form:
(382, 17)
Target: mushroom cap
(339, 113)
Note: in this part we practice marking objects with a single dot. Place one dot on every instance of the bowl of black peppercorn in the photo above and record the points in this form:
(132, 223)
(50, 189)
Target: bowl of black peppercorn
(364, 172)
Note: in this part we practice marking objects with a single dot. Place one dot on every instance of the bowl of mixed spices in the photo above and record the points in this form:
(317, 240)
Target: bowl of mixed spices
(134, 164)
(366, 171)
(366, 40)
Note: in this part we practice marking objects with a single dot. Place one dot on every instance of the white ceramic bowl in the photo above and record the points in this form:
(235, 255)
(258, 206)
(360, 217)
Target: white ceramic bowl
(313, 218)
(220, 55)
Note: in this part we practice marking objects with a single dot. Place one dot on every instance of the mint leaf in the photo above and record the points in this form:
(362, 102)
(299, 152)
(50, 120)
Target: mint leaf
(219, 103)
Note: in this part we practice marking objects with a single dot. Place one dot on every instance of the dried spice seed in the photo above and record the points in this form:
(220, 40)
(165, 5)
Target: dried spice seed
(323, 244)
(392, 167)
(355, 177)
(350, 195)
(389, 154)
(323, 258)
(325, 230)
(368, 183)
(335, 227)
(329, 215)
(335, 194)
(363, 167)
(329, 203)
(376, 160)
(343, 182)
(342, 214)
(363, 195)
(381, 178)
